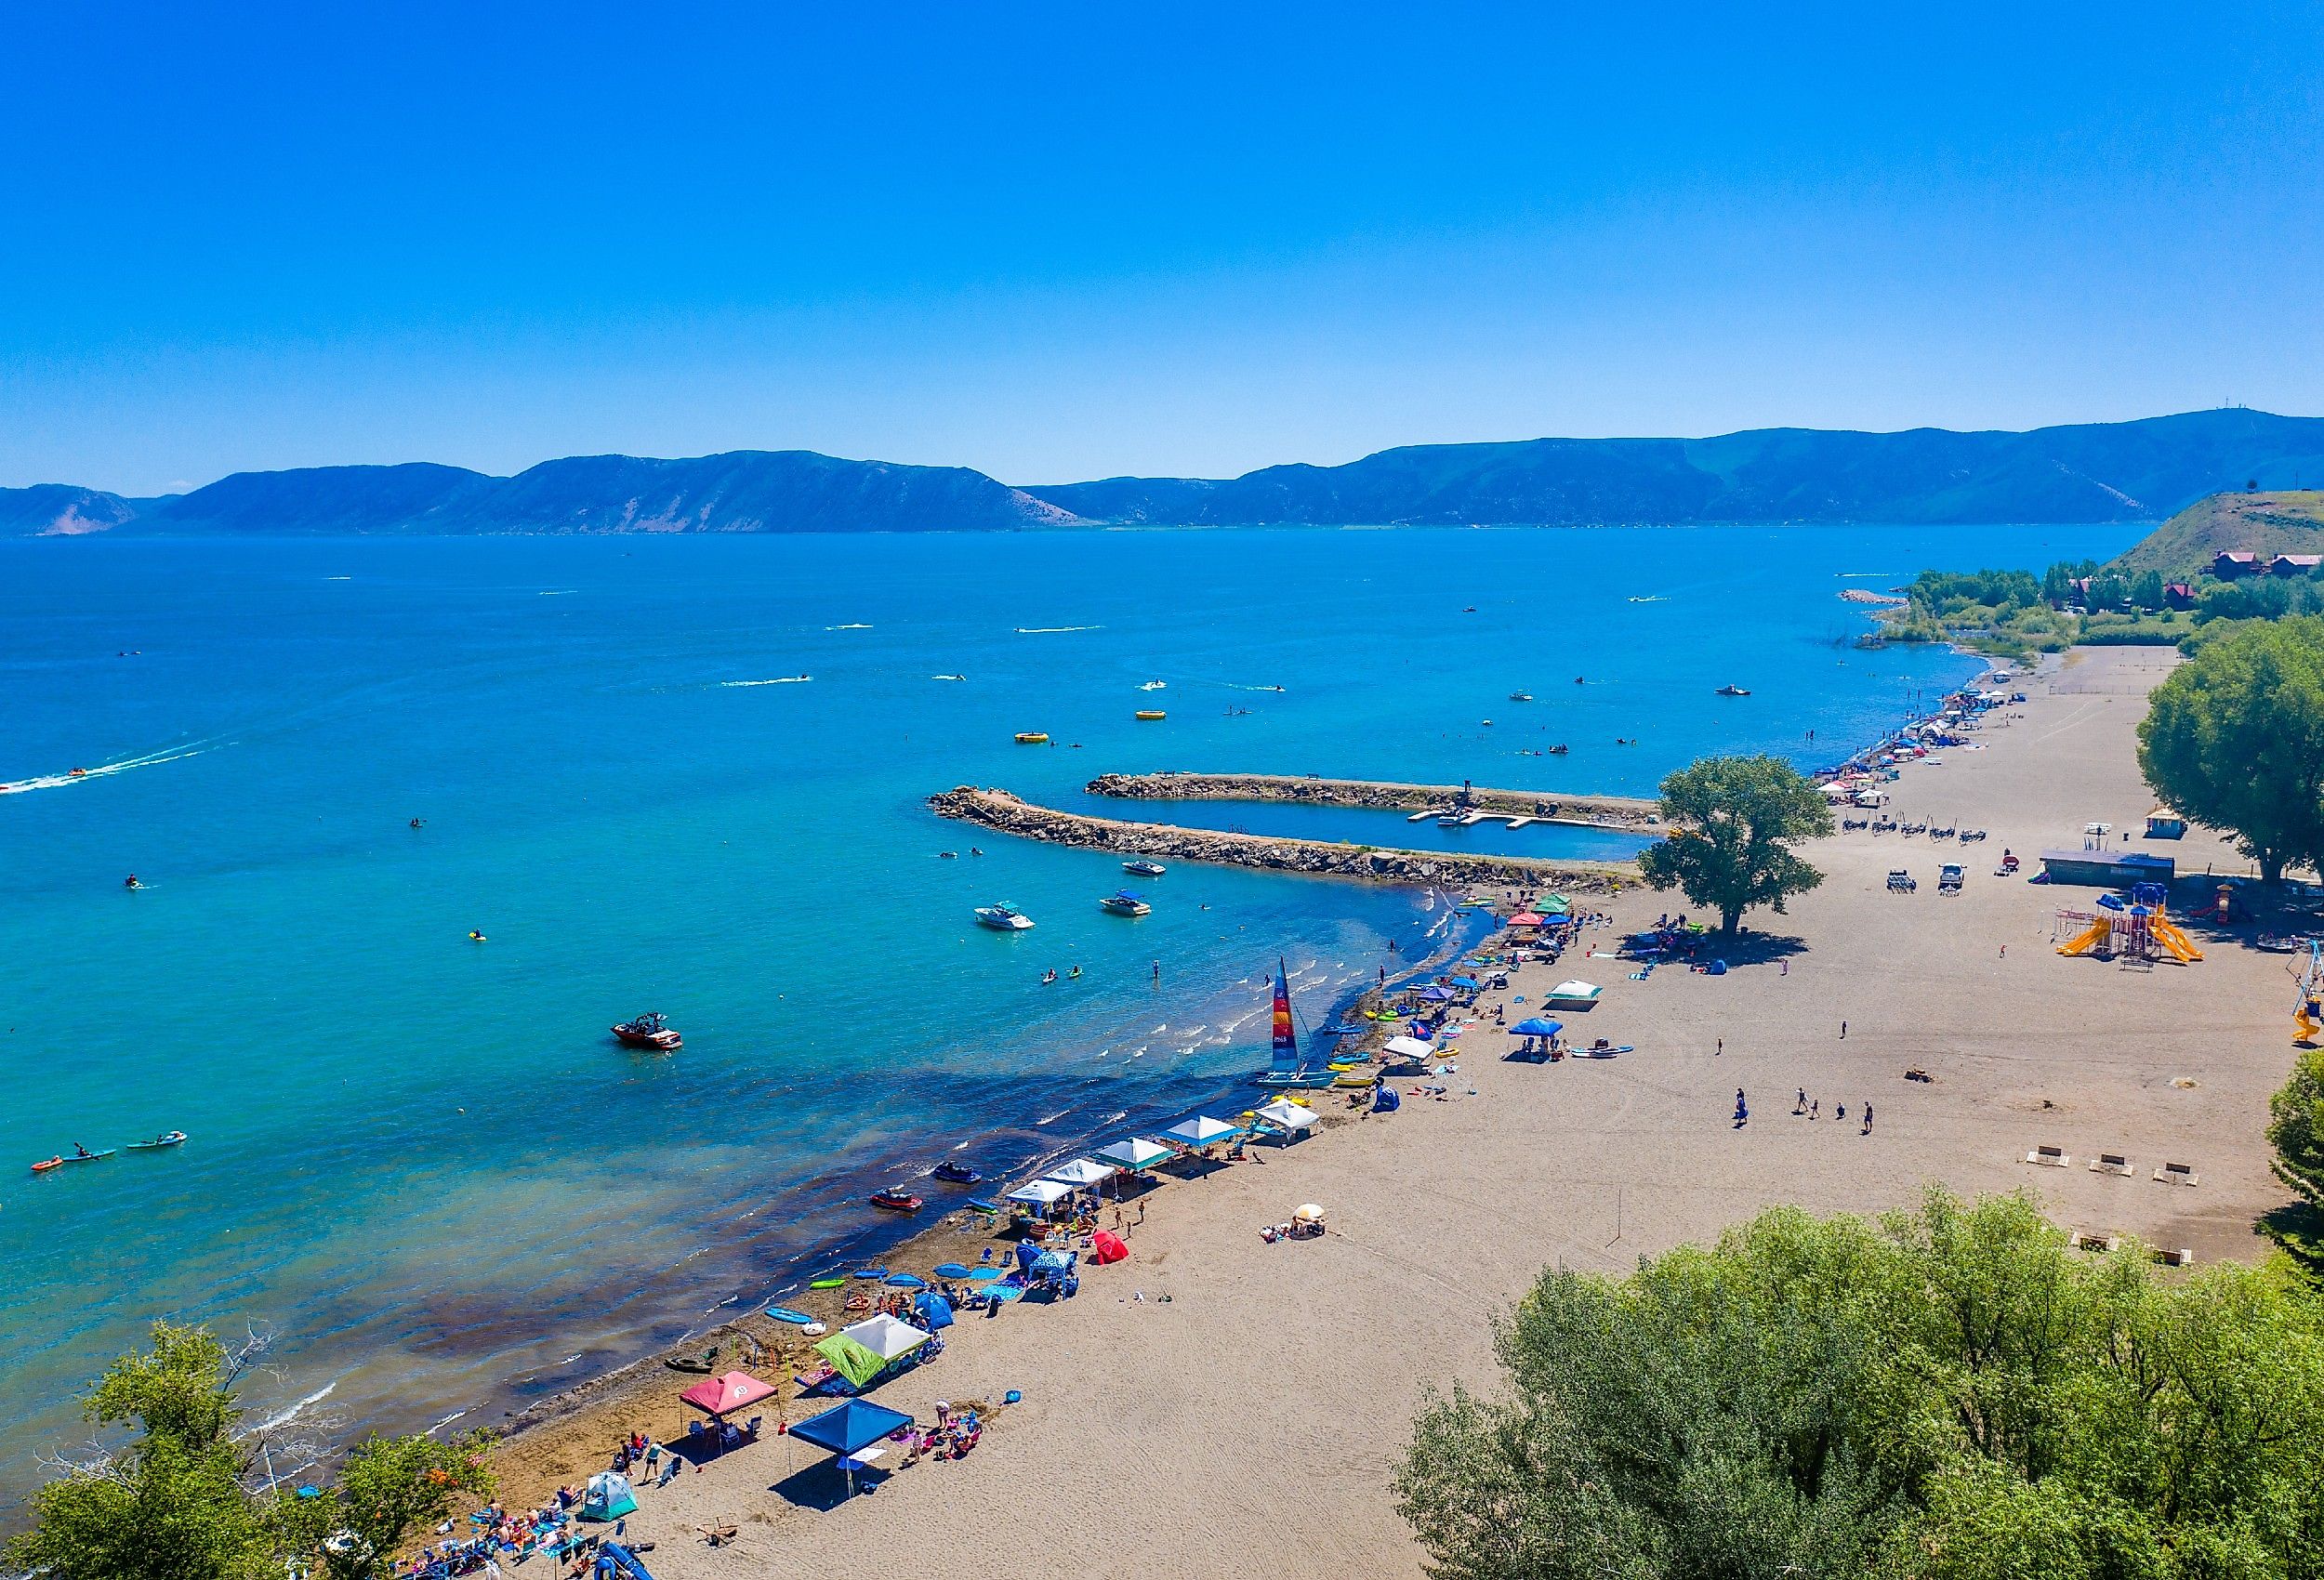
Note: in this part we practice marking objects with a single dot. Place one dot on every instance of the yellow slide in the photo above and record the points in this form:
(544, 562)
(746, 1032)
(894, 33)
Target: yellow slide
(2089, 938)
(2304, 1026)
(2180, 947)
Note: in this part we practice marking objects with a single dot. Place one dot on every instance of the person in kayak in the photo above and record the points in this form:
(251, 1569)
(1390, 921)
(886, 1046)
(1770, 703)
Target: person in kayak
(80, 1151)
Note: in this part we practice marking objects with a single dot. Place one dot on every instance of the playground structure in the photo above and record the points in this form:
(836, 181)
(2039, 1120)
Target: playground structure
(2135, 933)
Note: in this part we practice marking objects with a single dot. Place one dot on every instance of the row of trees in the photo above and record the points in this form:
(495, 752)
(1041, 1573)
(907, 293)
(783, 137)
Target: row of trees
(176, 1491)
(2234, 740)
(1947, 1394)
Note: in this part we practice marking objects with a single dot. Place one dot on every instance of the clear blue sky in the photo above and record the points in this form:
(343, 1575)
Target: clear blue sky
(1073, 240)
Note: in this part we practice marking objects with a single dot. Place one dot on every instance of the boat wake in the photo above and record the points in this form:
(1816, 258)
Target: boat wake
(853, 625)
(1239, 686)
(1052, 630)
(778, 680)
(57, 780)
(947, 677)
(559, 592)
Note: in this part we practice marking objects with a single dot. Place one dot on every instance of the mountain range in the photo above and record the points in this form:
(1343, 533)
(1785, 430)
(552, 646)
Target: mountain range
(2142, 471)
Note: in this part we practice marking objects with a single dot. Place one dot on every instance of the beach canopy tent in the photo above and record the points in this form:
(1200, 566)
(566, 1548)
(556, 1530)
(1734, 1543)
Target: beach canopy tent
(1525, 919)
(722, 1395)
(864, 1350)
(932, 1309)
(1575, 990)
(608, 1496)
(1106, 1247)
(1435, 995)
(850, 1429)
(1534, 1026)
(1469, 982)
(1135, 1153)
(1041, 1193)
(1199, 1132)
(1410, 1047)
(1288, 1115)
(1082, 1173)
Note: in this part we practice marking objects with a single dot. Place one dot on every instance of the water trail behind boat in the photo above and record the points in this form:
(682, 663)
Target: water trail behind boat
(149, 759)
(1051, 630)
(778, 680)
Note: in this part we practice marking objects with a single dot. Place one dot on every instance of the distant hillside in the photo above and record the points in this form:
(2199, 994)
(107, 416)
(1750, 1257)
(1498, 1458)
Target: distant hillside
(792, 491)
(2095, 472)
(58, 509)
(2282, 523)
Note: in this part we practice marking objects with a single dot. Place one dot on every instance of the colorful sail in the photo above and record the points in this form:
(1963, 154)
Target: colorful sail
(1287, 1041)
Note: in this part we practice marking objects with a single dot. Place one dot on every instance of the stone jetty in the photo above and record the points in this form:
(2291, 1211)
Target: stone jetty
(1596, 811)
(1006, 813)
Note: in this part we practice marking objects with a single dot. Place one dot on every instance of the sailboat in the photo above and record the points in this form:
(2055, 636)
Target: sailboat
(1290, 1071)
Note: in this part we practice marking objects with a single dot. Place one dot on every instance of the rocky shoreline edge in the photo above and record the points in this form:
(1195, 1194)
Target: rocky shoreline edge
(1594, 812)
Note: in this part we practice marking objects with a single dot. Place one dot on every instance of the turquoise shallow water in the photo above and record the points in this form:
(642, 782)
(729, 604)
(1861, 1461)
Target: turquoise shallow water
(422, 1161)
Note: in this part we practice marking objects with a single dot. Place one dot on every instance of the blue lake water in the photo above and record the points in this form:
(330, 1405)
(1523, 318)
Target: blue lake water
(421, 1160)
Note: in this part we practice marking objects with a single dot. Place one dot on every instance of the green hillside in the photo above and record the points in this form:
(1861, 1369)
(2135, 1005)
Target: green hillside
(2266, 523)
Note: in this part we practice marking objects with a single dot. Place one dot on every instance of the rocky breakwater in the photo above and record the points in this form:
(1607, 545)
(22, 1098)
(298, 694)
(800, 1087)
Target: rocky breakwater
(999, 810)
(1597, 812)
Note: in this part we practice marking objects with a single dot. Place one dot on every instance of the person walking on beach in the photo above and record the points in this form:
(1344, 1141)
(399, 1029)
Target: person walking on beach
(1802, 1106)
(1814, 1107)
(1868, 1119)
(1843, 1031)
(1742, 1113)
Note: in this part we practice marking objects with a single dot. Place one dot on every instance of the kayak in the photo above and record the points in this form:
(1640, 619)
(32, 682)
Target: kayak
(46, 1164)
(784, 1314)
(173, 1139)
(834, 1281)
(78, 1157)
(869, 1272)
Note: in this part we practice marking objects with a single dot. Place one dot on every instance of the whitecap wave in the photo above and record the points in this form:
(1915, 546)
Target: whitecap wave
(852, 626)
(290, 1413)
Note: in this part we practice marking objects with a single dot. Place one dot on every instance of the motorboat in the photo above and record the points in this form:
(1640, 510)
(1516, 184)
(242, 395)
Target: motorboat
(1125, 903)
(1520, 696)
(1151, 714)
(1142, 868)
(1732, 691)
(1032, 737)
(955, 1174)
(167, 1138)
(896, 1200)
(1002, 918)
(652, 1032)
(1154, 685)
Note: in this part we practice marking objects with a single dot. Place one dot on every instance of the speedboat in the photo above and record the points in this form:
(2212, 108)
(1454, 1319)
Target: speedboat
(1151, 714)
(648, 1031)
(1520, 696)
(955, 1174)
(1125, 903)
(1032, 738)
(1154, 685)
(1002, 918)
(1144, 868)
(167, 1138)
(896, 1200)
(1732, 691)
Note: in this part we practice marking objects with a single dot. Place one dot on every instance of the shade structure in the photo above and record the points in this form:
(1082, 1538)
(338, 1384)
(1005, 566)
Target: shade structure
(952, 1269)
(1082, 1172)
(1575, 990)
(1135, 1152)
(1410, 1047)
(1288, 1115)
(885, 1336)
(1435, 995)
(854, 1424)
(905, 1281)
(1556, 904)
(1525, 919)
(1469, 982)
(1308, 1213)
(1199, 1132)
(1534, 1026)
(721, 1395)
(607, 1496)
(1105, 1246)
(1041, 1193)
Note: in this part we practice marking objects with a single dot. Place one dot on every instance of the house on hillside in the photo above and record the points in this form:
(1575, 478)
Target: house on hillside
(2294, 564)
(2233, 562)
(2178, 595)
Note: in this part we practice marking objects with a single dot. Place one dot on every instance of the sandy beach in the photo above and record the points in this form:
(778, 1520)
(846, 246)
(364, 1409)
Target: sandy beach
(1253, 1418)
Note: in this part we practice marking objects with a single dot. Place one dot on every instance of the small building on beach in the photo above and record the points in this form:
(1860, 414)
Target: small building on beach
(2107, 869)
(2164, 823)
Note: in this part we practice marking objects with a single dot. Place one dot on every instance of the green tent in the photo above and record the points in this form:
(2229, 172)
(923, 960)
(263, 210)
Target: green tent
(850, 1359)
(1555, 906)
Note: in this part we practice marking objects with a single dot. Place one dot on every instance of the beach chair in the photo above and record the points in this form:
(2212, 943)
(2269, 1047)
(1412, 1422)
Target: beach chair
(2111, 1162)
(2176, 1174)
(2053, 1157)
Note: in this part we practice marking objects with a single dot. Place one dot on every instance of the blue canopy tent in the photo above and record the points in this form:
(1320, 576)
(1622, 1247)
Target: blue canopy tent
(1534, 1026)
(931, 1310)
(1469, 982)
(1435, 995)
(848, 1429)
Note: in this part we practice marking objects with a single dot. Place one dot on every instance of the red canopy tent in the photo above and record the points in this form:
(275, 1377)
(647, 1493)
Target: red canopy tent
(1105, 1246)
(735, 1390)
(1525, 919)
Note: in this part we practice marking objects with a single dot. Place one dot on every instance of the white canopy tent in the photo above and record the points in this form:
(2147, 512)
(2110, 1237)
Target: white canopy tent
(1082, 1173)
(1410, 1048)
(886, 1336)
(1041, 1193)
(1288, 1115)
(1199, 1132)
(1135, 1152)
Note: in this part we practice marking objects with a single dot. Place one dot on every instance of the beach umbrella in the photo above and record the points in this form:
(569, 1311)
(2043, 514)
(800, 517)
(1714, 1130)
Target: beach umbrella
(905, 1281)
(953, 1270)
(1534, 1026)
(1469, 982)
(1308, 1213)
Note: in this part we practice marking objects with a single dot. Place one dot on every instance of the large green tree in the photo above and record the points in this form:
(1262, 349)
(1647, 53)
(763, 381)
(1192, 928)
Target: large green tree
(177, 1498)
(1945, 1394)
(1732, 823)
(2234, 740)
